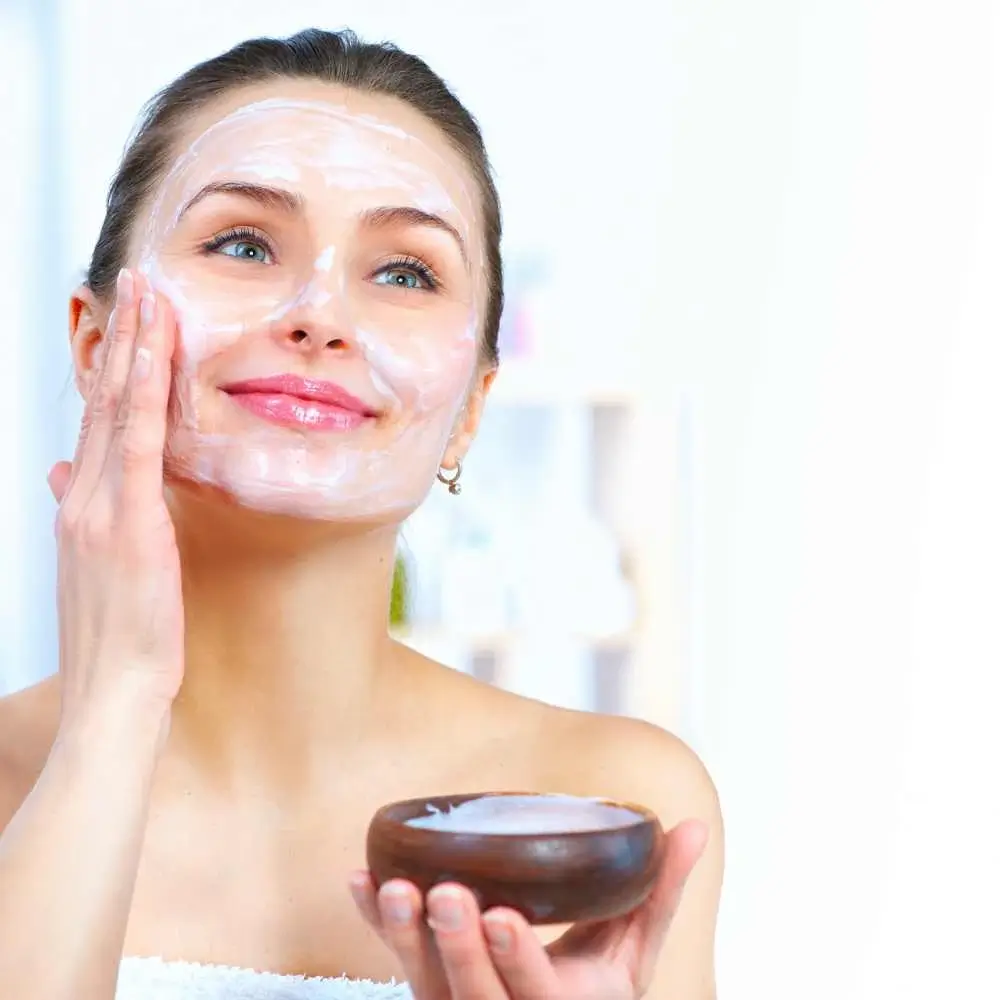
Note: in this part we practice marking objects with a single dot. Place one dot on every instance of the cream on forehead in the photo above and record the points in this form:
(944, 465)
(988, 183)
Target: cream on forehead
(352, 151)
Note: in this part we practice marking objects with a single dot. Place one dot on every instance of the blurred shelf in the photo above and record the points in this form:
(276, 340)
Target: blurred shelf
(589, 433)
(528, 383)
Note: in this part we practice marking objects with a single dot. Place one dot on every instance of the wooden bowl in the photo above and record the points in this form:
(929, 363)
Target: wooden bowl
(550, 877)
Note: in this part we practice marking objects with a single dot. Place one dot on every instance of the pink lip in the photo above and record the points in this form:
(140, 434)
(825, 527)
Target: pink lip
(300, 402)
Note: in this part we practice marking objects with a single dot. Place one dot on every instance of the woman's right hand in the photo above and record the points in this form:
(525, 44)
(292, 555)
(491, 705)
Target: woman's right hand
(121, 620)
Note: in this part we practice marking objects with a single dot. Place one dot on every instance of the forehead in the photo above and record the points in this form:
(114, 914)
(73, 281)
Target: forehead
(304, 133)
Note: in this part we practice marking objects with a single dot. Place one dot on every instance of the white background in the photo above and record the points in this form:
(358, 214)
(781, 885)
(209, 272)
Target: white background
(797, 206)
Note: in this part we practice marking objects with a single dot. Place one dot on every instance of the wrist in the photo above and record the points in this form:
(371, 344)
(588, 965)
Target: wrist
(123, 719)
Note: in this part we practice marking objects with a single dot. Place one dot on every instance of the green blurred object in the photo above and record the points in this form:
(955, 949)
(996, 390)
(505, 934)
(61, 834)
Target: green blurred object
(398, 602)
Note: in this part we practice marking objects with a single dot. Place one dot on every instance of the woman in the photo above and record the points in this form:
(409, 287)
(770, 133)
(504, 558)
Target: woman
(288, 329)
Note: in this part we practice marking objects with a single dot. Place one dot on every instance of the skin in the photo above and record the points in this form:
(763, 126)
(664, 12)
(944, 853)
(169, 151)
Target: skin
(244, 742)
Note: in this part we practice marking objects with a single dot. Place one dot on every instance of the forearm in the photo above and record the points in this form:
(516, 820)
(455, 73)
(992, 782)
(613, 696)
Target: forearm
(69, 857)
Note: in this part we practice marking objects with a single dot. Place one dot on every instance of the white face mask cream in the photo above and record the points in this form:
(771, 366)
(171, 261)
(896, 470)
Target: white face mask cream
(326, 271)
(528, 814)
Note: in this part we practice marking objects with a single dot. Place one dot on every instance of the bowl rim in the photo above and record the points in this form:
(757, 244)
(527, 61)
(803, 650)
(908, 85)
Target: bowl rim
(382, 819)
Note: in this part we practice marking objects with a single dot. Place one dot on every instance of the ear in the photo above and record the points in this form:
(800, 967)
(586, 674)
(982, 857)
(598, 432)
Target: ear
(467, 424)
(89, 319)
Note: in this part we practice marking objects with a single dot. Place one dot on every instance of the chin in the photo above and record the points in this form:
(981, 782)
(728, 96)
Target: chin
(251, 512)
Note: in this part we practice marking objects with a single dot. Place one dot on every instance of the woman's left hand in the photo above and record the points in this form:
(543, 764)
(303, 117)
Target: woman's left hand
(458, 953)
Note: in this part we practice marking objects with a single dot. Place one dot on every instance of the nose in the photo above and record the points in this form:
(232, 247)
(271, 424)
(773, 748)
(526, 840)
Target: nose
(310, 340)
(316, 322)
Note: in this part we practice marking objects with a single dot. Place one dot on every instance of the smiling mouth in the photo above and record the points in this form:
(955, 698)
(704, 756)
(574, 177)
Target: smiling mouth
(293, 401)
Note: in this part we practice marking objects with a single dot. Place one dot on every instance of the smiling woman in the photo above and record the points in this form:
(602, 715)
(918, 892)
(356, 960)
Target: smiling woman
(255, 257)
(288, 331)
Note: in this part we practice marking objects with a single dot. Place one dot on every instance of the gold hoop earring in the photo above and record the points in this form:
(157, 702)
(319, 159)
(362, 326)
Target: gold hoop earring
(452, 481)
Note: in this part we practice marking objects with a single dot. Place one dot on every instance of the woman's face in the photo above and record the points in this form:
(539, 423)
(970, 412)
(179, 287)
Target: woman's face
(330, 243)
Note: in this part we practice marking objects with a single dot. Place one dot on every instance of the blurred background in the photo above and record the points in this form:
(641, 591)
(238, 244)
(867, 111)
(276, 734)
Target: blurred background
(740, 476)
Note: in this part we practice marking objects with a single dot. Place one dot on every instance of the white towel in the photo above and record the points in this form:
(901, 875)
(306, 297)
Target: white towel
(154, 979)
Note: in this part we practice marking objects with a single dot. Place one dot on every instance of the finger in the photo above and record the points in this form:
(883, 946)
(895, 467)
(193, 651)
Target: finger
(143, 416)
(404, 930)
(454, 917)
(58, 479)
(364, 894)
(641, 932)
(682, 847)
(101, 409)
(520, 958)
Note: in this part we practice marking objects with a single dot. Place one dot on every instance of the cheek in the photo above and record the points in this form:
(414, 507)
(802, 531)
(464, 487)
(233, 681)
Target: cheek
(427, 371)
(208, 322)
(205, 345)
(201, 339)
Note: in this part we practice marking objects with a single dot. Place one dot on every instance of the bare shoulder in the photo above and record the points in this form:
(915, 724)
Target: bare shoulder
(635, 761)
(586, 753)
(519, 741)
(468, 708)
(28, 722)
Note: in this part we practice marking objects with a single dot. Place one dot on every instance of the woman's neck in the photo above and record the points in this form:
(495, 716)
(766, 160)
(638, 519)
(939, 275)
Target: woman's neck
(286, 646)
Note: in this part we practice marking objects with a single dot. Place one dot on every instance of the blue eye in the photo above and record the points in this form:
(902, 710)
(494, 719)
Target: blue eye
(397, 276)
(246, 250)
(408, 273)
(243, 243)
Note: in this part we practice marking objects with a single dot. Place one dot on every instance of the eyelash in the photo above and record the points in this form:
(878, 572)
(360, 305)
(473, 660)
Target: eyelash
(239, 234)
(245, 234)
(417, 266)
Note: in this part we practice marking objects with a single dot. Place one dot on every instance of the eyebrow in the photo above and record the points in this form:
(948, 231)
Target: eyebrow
(287, 201)
(407, 215)
(268, 197)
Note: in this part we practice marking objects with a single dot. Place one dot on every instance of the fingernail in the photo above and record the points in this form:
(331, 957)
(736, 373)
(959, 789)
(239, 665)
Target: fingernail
(397, 904)
(143, 363)
(446, 912)
(125, 287)
(147, 311)
(498, 934)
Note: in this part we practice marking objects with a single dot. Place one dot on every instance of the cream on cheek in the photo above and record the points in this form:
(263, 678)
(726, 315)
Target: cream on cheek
(414, 364)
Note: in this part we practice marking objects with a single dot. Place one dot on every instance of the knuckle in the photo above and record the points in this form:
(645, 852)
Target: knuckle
(120, 324)
(67, 520)
(134, 451)
(88, 529)
(140, 429)
(103, 401)
(145, 401)
(81, 440)
(140, 446)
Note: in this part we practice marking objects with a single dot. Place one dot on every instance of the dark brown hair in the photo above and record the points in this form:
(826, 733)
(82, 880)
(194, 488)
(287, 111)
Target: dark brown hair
(330, 57)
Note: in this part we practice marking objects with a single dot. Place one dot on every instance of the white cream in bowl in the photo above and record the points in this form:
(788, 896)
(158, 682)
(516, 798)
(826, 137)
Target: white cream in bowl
(528, 814)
